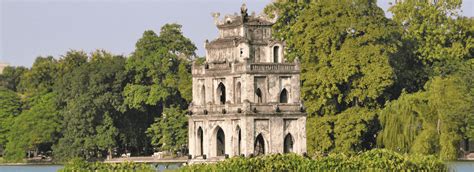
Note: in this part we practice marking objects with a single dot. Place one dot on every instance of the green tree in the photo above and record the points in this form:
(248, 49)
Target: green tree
(10, 78)
(169, 132)
(173, 39)
(90, 92)
(451, 99)
(36, 126)
(154, 70)
(10, 107)
(106, 135)
(440, 43)
(41, 76)
(403, 120)
(72, 60)
(160, 73)
(431, 121)
(435, 33)
(346, 49)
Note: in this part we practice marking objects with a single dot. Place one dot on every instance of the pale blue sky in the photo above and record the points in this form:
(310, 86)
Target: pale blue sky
(31, 28)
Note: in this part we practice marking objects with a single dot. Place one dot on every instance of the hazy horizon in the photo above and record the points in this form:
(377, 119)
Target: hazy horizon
(32, 28)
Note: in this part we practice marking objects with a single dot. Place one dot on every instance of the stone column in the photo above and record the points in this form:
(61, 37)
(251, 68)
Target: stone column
(191, 137)
(301, 142)
(228, 133)
(276, 134)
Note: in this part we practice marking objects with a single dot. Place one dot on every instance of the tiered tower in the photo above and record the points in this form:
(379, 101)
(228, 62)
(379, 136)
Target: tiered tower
(246, 96)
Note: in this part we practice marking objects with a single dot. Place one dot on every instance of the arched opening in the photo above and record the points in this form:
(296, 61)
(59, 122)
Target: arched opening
(238, 93)
(220, 142)
(259, 147)
(284, 96)
(200, 140)
(221, 93)
(276, 52)
(203, 95)
(288, 144)
(258, 92)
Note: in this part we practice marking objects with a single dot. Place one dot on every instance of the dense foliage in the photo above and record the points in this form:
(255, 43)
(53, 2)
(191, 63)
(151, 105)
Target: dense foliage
(170, 132)
(345, 50)
(370, 81)
(373, 160)
(99, 104)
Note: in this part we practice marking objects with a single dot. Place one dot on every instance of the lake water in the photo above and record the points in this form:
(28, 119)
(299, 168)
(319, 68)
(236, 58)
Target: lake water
(461, 166)
(53, 168)
(457, 166)
(28, 168)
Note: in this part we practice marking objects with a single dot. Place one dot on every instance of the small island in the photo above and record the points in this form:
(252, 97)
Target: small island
(302, 86)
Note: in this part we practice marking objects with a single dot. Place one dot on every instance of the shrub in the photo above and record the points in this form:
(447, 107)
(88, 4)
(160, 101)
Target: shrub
(373, 160)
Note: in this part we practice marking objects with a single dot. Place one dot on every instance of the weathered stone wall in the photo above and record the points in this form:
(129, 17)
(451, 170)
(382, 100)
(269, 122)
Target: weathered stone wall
(273, 128)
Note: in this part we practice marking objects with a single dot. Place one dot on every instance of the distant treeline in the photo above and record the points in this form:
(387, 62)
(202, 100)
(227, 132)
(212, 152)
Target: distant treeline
(403, 83)
(92, 105)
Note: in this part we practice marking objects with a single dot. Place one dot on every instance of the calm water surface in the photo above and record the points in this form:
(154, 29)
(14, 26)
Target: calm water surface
(457, 166)
(52, 168)
(28, 168)
(461, 166)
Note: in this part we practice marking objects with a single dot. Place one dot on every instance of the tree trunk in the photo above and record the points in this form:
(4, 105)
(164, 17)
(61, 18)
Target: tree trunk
(109, 156)
(438, 125)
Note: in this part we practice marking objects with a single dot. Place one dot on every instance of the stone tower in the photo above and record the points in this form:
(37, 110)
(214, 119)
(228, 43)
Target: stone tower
(246, 96)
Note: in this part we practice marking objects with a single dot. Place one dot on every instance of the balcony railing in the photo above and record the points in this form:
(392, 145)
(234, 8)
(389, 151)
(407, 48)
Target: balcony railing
(244, 67)
(272, 67)
(246, 108)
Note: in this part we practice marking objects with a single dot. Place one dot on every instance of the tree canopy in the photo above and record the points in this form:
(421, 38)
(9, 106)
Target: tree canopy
(363, 72)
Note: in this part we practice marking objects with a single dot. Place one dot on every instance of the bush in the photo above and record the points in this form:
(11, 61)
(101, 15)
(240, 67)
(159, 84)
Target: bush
(373, 160)
(82, 165)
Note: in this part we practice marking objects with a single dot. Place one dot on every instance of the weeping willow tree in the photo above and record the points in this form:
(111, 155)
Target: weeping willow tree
(402, 122)
(433, 121)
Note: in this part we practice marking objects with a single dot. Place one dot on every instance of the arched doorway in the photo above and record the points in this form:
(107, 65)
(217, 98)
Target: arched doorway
(288, 144)
(259, 147)
(220, 142)
(276, 51)
(238, 93)
(199, 142)
(284, 96)
(221, 93)
(203, 95)
(258, 92)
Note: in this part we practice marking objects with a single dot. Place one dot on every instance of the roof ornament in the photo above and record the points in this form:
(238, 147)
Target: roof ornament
(243, 12)
(216, 17)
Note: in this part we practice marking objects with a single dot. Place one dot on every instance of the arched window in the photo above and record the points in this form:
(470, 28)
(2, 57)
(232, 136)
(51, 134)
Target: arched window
(259, 147)
(221, 93)
(200, 144)
(203, 95)
(238, 93)
(220, 142)
(288, 144)
(276, 52)
(284, 96)
(258, 92)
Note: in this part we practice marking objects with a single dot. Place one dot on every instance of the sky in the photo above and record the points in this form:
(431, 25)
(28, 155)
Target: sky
(32, 28)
